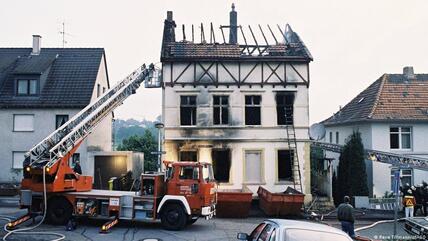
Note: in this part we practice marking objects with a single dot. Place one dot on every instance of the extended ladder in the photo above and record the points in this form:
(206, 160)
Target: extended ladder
(292, 147)
(61, 141)
(397, 160)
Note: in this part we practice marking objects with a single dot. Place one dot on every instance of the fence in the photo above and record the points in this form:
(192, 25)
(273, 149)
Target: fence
(383, 203)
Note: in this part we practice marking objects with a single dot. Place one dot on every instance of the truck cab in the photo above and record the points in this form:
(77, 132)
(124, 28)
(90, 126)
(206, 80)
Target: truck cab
(190, 188)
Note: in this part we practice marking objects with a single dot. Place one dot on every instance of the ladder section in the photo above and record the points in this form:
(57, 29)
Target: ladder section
(61, 141)
(398, 160)
(292, 146)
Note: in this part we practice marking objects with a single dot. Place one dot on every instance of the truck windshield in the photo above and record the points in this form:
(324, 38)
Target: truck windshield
(207, 172)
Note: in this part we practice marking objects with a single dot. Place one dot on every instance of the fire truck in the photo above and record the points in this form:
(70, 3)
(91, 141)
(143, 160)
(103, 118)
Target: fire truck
(50, 187)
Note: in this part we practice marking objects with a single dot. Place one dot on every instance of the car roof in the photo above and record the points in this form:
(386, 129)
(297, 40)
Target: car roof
(294, 224)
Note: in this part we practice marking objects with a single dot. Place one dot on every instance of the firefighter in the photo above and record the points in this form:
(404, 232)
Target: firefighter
(77, 168)
(409, 203)
(418, 193)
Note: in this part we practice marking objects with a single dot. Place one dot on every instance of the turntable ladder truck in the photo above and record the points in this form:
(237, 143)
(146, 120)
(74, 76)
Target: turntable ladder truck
(178, 197)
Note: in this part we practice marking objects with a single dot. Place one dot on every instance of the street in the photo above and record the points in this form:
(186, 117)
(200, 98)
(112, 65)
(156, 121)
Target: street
(215, 229)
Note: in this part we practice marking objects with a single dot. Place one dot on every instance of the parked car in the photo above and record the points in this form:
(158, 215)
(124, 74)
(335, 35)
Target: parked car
(291, 230)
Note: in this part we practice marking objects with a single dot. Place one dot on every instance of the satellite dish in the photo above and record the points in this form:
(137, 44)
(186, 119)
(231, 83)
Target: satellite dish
(317, 131)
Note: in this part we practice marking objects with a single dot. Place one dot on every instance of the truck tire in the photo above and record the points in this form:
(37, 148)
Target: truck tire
(59, 211)
(173, 217)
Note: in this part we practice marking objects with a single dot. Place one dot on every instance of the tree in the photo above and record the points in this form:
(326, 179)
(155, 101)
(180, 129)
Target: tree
(352, 176)
(336, 196)
(146, 143)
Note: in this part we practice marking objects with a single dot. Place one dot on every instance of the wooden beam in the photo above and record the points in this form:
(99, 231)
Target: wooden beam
(292, 66)
(182, 72)
(227, 70)
(273, 72)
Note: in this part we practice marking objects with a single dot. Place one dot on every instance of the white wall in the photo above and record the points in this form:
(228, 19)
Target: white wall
(376, 136)
(236, 136)
(44, 124)
(101, 138)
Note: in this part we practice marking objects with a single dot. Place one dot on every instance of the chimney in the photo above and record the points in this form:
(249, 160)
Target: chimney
(36, 45)
(169, 28)
(409, 73)
(233, 33)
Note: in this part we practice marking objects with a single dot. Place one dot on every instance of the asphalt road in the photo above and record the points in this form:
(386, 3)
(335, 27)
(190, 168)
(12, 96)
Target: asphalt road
(215, 229)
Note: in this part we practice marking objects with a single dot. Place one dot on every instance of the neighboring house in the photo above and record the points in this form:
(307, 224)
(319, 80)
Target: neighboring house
(229, 104)
(40, 89)
(392, 116)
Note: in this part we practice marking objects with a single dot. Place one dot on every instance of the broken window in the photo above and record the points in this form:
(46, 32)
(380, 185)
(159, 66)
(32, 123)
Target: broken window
(188, 110)
(221, 110)
(253, 166)
(188, 156)
(284, 108)
(221, 165)
(252, 110)
(60, 120)
(285, 165)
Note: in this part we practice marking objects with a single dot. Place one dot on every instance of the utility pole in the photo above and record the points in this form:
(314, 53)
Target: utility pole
(396, 171)
(159, 126)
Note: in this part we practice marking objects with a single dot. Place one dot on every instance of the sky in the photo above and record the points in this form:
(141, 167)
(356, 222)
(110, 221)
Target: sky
(353, 42)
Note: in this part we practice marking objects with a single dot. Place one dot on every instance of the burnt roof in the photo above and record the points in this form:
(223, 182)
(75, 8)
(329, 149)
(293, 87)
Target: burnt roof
(67, 76)
(393, 97)
(284, 45)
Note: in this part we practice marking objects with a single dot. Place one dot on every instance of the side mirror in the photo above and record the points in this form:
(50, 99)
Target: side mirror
(242, 236)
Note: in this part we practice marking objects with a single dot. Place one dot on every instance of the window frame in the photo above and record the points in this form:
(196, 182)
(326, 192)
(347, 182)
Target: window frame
(98, 90)
(252, 105)
(337, 137)
(262, 167)
(60, 115)
(400, 134)
(13, 160)
(14, 125)
(221, 106)
(284, 95)
(278, 180)
(330, 137)
(180, 154)
(229, 181)
(28, 87)
(188, 105)
(403, 175)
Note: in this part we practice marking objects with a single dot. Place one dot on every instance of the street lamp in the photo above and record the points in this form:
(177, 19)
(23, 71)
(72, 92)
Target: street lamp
(159, 125)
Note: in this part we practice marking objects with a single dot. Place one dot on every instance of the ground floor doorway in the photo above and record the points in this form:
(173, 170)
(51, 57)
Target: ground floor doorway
(106, 167)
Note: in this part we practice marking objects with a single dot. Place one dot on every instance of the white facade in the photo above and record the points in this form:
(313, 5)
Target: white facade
(15, 142)
(241, 140)
(376, 136)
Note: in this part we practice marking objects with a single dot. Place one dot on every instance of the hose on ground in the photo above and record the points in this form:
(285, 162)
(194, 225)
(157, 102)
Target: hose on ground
(24, 231)
(378, 222)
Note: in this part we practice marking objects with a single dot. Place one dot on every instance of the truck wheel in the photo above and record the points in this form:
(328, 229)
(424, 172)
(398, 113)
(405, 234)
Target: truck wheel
(59, 211)
(173, 217)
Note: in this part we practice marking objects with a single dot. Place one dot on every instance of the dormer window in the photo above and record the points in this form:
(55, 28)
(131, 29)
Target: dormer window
(25, 87)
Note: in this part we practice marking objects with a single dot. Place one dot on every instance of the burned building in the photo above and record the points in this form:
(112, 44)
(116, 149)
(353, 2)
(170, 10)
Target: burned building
(238, 97)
